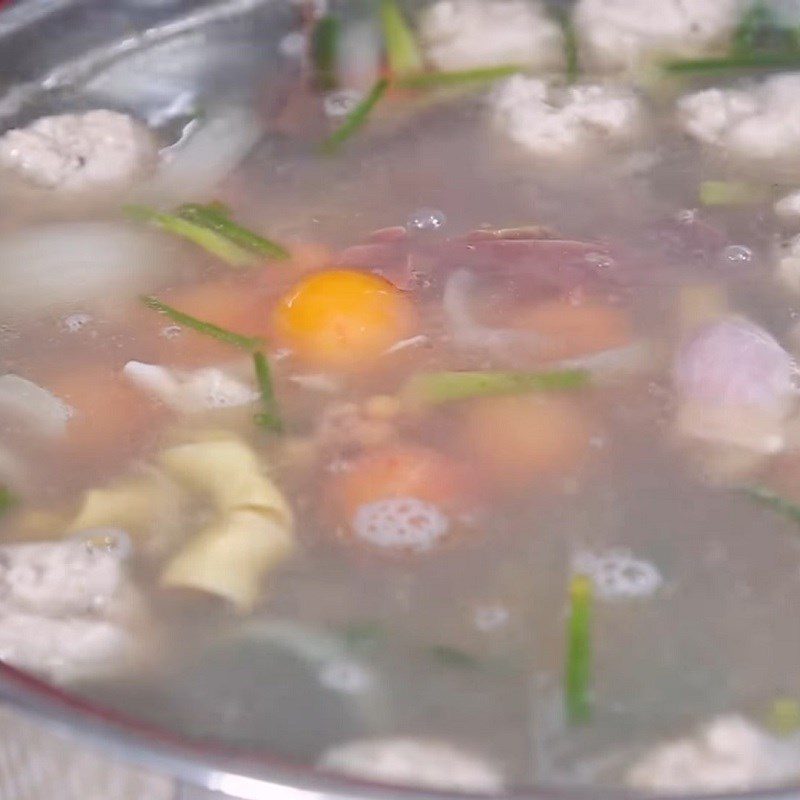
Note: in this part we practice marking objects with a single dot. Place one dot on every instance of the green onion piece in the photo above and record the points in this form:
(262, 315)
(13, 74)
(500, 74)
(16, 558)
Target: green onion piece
(755, 20)
(269, 418)
(730, 193)
(207, 328)
(7, 499)
(217, 219)
(579, 651)
(773, 500)
(431, 80)
(571, 62)
(766, 61)
(434, 388)
(784, 716)
(453, 657)
(324, 52)
(402, 51)
(356, 118)
(363, 635)
(210, 240)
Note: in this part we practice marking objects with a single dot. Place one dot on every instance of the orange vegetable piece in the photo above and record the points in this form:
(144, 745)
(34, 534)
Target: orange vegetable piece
(520, 439)
(343, 319)
(108, 413)
(572, 330)
(403, 470)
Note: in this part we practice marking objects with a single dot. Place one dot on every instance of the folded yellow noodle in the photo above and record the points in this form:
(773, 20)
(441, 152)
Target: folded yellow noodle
(229, 472)
(230, 557)
(254, 528)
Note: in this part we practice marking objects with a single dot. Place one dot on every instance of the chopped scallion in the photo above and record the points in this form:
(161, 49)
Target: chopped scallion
(730, 193)
(571, 62)
(774, 501)
(434, 388)
(579, 651)
(324, 52)
(356, 118)
(210, 240)
(269, 417)
(7, 499)
(402, 52)
(784, 716)
(753, 21)
(216, 219)
(765, 61)
(430, 80)
(206, 328)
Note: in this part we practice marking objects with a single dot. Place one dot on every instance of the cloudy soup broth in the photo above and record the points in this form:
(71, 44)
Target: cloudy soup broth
(408, 390)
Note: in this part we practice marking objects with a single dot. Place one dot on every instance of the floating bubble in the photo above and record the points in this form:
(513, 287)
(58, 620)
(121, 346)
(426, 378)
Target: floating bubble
(737, 254)
(347, 677)
(293, 45)
(426, 220)
(341, 103)
(74, 322)
(616, 574)
(401, 523)
(490, 617)
(171, 331)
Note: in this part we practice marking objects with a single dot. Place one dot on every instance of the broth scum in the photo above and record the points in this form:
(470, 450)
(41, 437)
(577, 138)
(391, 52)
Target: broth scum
(337, 431)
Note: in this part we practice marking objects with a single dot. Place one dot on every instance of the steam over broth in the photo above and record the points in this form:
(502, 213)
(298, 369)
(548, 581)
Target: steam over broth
(472, 433)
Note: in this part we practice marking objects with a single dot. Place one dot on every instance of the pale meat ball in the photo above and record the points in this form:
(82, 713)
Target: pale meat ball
(74, 152)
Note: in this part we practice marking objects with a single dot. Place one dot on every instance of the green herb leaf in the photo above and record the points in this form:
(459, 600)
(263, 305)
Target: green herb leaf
(579, 651)
(731, 193)
(571, 62)
(402, 52)
(760, 61)
(217, 219)
(270, 417)
(363, 635)
(356, 118)
(210, 240)
(752, 23)
(7, 500)
(434, 388)
(774, 501)
(324, 52)
(453, 657)
(206, 328)
(431, 80)
(784, 716)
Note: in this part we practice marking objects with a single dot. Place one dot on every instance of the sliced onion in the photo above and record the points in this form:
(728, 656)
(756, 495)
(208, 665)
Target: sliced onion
(193, 167)
(41, 412)
(71, 263)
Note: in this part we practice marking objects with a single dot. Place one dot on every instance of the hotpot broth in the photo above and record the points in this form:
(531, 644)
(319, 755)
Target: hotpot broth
(465, 640)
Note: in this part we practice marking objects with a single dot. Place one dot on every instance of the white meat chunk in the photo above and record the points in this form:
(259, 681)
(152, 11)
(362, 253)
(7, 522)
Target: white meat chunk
(788, 207)
(752, 123)
(551, 120)
(40, 412)
(464, 34)
(618, 34)
(788, 272)
(66, 607)
(190, 391)
(728, 754)
(421, 763)
(98, 149)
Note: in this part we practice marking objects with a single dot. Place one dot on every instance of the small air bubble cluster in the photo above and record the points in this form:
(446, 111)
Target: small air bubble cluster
(490, 616)
(601, 261)
(426, 220)
(346, 677)
(617, 575)
(341, 103)
(737, 254)
(293, 45)
(171, 331)
(401, 524)
(74, 322)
